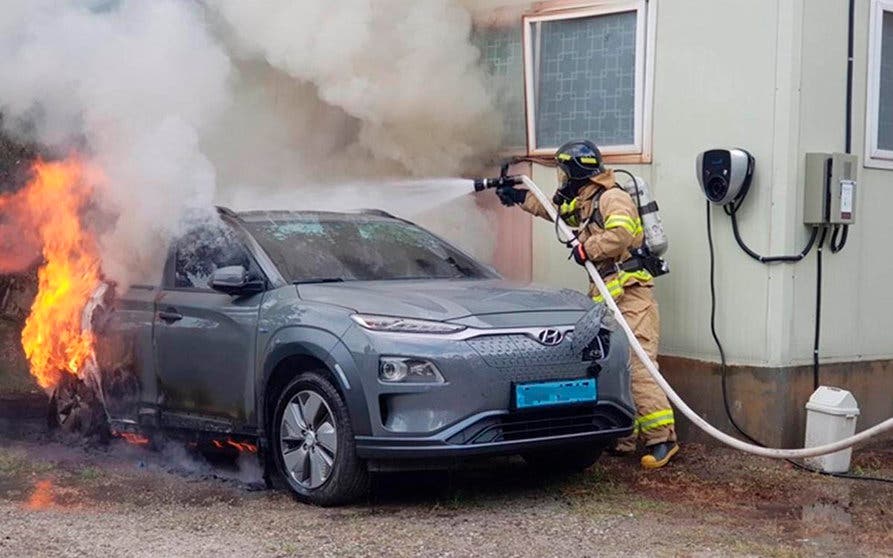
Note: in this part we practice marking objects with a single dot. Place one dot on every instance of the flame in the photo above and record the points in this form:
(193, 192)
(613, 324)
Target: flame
(133, 438)
(241, 446)
(42, 497)
(50, 207)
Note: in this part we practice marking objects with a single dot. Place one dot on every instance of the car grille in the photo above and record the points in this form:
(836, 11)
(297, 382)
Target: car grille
(530, 425)
(519, 350)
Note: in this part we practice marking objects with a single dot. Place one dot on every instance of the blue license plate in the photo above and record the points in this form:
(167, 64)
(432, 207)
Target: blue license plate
(564, 392)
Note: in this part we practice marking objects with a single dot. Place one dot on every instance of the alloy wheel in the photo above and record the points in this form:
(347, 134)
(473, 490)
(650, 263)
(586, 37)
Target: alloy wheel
(308, 439)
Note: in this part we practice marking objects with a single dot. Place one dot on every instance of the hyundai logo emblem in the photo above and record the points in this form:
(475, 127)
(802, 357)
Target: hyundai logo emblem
(550, 337)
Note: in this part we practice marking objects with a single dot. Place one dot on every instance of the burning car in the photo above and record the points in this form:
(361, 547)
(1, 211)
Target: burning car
(344, 343)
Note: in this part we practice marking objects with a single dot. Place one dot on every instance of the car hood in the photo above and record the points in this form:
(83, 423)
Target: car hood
(444, 299)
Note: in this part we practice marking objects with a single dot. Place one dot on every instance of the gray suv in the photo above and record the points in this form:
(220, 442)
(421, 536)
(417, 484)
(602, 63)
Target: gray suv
(347, 343)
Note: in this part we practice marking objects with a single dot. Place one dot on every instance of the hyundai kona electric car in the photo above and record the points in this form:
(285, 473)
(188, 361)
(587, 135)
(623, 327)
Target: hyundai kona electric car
(345, 343)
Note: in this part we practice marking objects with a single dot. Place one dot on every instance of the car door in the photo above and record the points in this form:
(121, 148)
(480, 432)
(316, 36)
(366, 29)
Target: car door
(122, 326)
(205, 339)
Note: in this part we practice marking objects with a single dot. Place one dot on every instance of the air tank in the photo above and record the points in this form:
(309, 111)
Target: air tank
(655, 237)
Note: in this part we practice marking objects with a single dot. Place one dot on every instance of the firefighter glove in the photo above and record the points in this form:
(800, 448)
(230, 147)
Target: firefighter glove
(579, 254)
(509, 195)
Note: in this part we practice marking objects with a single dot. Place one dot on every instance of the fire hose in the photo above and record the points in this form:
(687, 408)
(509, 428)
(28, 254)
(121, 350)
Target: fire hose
(652, 367)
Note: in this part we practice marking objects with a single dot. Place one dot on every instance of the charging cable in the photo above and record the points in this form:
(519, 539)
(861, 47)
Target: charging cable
(665, 386)
(731, 210)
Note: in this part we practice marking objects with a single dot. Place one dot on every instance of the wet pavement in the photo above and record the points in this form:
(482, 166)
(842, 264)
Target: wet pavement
(66, 497)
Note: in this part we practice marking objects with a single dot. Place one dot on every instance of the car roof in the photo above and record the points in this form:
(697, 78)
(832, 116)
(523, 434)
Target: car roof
(287, 215)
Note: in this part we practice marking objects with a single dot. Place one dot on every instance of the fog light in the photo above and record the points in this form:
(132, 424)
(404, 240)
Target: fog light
(408, 371)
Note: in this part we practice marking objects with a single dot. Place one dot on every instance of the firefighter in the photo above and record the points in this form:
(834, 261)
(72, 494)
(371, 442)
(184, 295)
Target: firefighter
(607, 224)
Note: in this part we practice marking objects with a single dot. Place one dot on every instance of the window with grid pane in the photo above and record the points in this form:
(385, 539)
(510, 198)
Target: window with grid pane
(584, 79)
(502, 58)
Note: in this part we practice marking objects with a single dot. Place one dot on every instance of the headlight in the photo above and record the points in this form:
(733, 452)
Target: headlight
(408, 371)
(404, 325)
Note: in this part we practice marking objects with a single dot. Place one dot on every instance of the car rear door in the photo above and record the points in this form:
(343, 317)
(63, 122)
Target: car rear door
(205, 339)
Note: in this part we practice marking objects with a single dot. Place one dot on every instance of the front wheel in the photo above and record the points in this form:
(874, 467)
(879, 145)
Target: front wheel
(313, 444)
(74, 408)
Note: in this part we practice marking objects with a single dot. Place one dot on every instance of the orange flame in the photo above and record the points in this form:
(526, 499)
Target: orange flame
(133, 438)
(241, 446)
(42, 497)
(50, 207)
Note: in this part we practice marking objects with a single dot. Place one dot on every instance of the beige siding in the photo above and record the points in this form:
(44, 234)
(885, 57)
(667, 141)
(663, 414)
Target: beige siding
(857, 316)
(768, 76)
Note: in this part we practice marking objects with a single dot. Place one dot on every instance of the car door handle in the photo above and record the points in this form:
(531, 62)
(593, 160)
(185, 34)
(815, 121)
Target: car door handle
(170, 315)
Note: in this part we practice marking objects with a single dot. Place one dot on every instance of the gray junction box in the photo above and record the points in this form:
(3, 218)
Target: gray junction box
(830, 189)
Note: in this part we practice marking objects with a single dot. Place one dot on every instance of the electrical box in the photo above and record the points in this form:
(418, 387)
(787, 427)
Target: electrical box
(830, 191)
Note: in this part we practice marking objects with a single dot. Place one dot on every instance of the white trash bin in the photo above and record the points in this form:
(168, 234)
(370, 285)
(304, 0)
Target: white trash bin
(830, 416)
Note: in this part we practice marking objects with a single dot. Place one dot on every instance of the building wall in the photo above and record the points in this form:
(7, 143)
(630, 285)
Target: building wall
(768, 76)
(857, 313)
(708, 91)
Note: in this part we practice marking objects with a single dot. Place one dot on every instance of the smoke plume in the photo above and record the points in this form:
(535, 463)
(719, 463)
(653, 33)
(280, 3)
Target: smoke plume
(182, 103)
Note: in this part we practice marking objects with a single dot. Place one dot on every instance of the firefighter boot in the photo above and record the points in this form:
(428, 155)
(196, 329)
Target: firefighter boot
(659, 455)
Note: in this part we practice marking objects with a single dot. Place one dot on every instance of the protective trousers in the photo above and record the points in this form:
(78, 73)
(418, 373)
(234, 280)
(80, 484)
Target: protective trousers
(654, 416)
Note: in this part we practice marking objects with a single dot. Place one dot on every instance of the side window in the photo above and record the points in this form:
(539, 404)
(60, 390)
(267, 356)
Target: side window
(204, 249)
(587, 76)
(879, 117)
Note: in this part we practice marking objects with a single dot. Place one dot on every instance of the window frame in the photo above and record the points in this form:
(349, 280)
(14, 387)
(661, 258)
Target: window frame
(875, 156)
(168, 280)
(640, 150)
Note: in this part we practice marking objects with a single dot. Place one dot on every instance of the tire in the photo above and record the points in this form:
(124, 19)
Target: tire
(75, 409)
(564, 460)
(316, 455)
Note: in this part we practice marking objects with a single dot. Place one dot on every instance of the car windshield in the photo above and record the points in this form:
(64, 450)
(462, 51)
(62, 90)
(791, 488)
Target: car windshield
(321, 248)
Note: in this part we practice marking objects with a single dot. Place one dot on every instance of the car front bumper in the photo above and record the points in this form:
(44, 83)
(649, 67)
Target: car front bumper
(507, 433)
(472, 411)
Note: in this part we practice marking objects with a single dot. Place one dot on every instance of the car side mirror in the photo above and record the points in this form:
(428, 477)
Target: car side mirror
(235, 280)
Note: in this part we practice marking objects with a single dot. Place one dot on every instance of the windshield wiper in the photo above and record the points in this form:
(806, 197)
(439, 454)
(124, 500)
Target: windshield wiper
(463, 271)
(319, 280)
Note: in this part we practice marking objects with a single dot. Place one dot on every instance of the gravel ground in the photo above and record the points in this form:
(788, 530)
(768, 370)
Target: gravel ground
(70, 499)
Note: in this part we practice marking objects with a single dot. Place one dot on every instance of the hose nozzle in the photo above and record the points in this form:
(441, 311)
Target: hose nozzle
(481, 184)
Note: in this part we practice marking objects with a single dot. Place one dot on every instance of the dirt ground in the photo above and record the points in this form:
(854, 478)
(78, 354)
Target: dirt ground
(65, 498)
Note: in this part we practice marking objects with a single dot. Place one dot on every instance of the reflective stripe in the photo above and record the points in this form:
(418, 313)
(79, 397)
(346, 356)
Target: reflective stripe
(563, 157)
(634, 226)
(567, 210)
(615, 287)
(656, 414)
(589, 160)
(664, 417)
(653, 426)
(641, 275)
(568, 207)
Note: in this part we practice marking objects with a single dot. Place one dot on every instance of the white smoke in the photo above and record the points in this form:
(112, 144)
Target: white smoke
(405, 71)
(135, 85)
(183, 103)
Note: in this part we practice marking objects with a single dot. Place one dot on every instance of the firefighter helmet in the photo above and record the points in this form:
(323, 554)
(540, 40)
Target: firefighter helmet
(579, 160)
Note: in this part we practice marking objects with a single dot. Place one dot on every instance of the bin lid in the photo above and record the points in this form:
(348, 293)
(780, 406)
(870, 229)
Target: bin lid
(833, 401)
